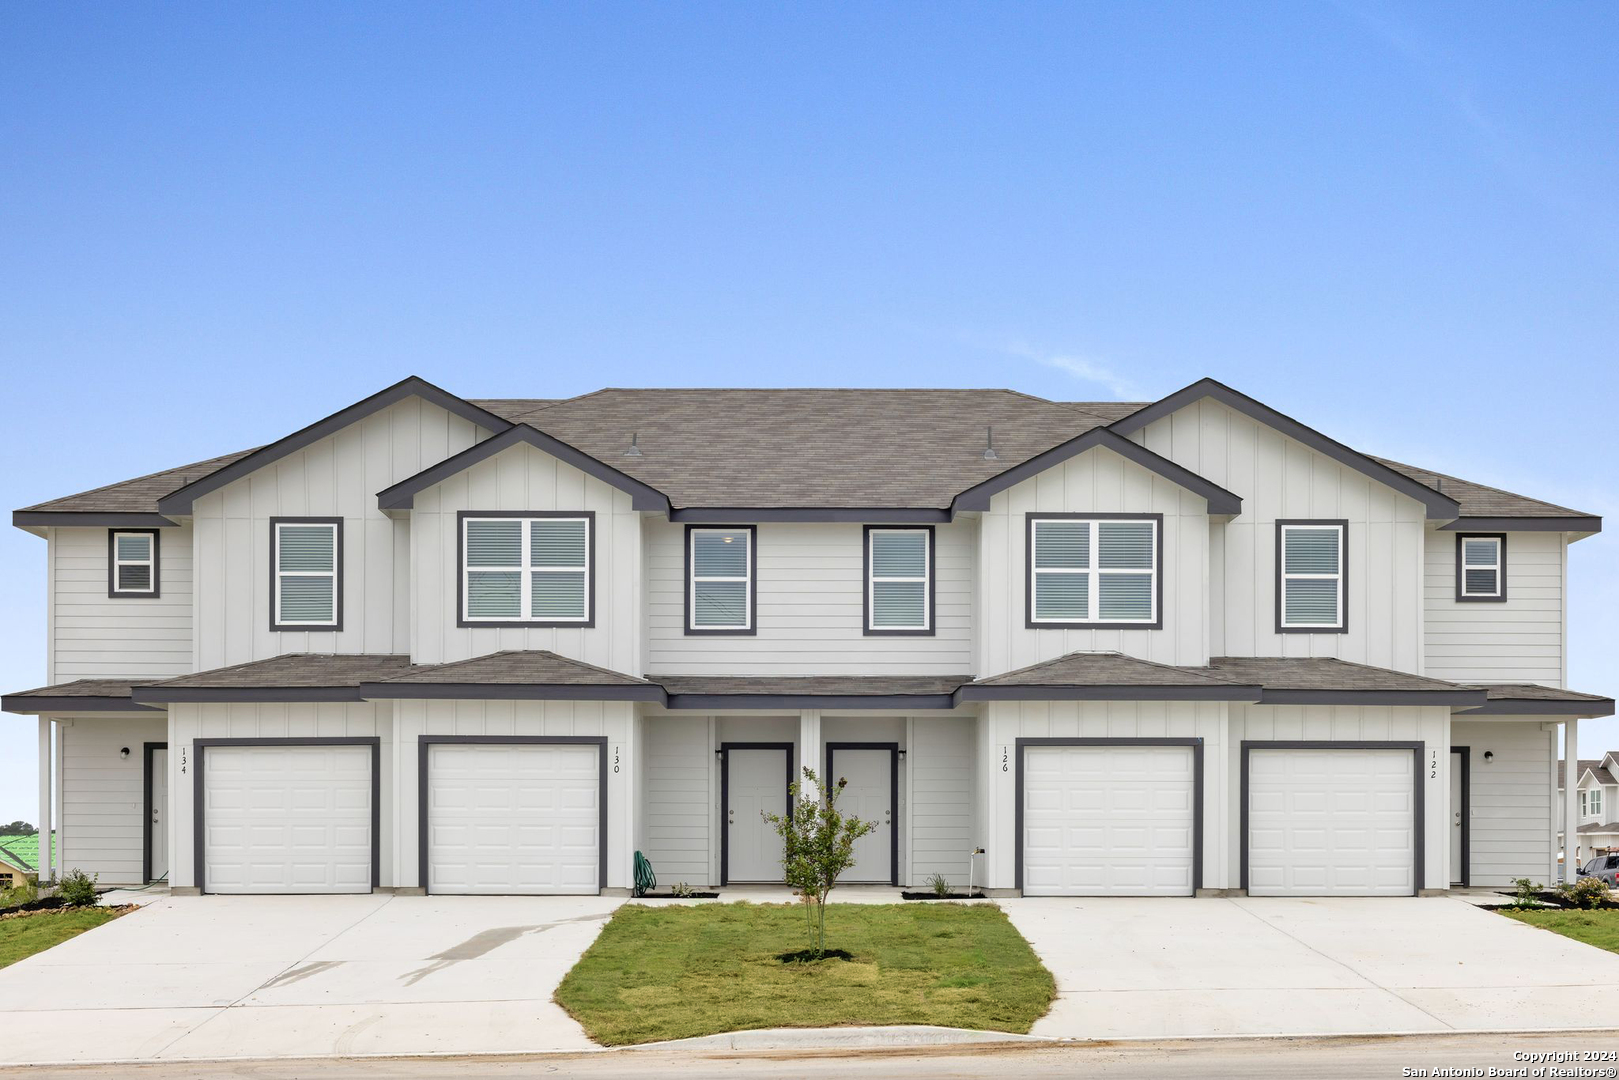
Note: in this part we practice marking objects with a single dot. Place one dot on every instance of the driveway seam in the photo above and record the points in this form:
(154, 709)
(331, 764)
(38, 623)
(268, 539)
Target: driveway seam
(220, 1011)
(1333, 959)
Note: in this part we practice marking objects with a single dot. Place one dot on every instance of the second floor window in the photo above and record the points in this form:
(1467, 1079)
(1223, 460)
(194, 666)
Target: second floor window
(1310, 585)
(1481, 567)
(1094, 572)
(531, 570)
(1596, 802)
(720, 579)
(307, 556)
(132, 568)
(899, 581)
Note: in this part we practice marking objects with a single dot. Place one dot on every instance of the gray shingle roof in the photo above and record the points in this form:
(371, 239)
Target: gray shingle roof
(517, 668)
(812, 685)
(1320, 673)
(800, 448)
(1532, 692)
(1592, 765)
(1106, 669)
(294, 670)
(87, 688)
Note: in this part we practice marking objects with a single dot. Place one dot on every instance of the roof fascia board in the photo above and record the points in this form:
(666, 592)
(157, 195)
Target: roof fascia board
(511, 692)
(1438, 504)
(1219, 499)
(34, 705)
(1573, 710)
(1374, 697)
(875, 515)
(180, 502)
(1580, 524)
(178, 695)
(1233, 692)
(811, 701)
(402, 495)
(24, 519)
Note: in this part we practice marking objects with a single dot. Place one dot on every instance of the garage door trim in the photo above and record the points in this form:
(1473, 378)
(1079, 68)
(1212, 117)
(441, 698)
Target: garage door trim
(199, 802)
(1417, 786)
(1196, 744)
(424, 744)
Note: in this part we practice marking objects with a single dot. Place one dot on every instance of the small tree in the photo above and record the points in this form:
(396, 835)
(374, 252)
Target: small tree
(817, 846)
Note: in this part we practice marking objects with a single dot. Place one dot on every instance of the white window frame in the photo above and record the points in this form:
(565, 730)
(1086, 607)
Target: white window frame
(335, 573)
(525, 568)
(1095, 570)
(692, 578)
(1341, 577)
(1499, 566)
(926, 625)
(1583, 802)
(1596, 803)
(150, 562)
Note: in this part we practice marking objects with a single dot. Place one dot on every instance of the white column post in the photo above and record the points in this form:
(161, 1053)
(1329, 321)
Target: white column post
(59, 845)
(809, 749)
(1550, 730)
(45, 777)
(1571, 791)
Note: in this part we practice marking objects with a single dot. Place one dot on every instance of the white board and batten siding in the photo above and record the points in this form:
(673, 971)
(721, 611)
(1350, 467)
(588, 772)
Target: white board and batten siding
(338, 476)
(1510, 825)
(1281, 478)
(1520, 639)
(103, 794)
(1097, 481)
(522, 478)
(96, 636)
(810, 607)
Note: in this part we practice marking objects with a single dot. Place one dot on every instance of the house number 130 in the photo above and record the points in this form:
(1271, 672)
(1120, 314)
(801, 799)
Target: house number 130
(615, 759)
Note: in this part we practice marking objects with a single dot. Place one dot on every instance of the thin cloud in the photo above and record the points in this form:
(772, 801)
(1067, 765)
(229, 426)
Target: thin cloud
(1082, 368)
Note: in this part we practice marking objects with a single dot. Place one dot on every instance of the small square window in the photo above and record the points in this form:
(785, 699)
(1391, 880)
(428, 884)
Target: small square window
(1481, 567)
(132, 562)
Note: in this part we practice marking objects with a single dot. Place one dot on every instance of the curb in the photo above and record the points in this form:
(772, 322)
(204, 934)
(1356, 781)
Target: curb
(897, 1035)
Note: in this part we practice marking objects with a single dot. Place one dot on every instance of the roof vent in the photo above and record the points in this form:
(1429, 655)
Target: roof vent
(989, 445)
(634, 450)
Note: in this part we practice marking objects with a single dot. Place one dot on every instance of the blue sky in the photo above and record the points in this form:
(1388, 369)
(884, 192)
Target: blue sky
(220, 222)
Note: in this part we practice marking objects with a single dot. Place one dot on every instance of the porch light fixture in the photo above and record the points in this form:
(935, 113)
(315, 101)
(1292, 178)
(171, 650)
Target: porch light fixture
(1489, 755)
(124, 753)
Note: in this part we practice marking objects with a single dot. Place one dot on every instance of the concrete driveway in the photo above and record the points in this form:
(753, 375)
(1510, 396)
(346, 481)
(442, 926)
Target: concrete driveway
(264, 976)
(1168, 968)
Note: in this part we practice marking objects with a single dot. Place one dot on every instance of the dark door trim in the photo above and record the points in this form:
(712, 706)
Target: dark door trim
(1417, 819)
(1196, 744)
(199, 748)
(725, 794)
(1467, 813)
(893, 793)
(147, 751)
(424, 745)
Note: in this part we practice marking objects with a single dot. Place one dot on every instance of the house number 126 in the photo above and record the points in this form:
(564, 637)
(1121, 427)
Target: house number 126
(1006, 760)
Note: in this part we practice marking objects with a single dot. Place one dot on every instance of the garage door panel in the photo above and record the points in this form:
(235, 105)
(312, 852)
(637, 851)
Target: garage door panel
(514, 818)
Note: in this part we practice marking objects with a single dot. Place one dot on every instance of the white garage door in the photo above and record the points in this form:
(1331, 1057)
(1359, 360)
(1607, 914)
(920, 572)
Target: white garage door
(1107, 821)
(513, 818)
(287, 819)
(1330, 822)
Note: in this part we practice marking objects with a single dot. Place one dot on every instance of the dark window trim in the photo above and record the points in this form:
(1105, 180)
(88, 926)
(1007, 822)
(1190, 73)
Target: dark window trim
(725, 795)
(1501, 571)
(147, 750)
(866, 582)
(893, 794)
(199, 751)
(752, 629)
(1467, 813)
(461, 620)
(1195, 742)
(1343, 576)
(156, 591)
(1419, 822)
(1033, 516)
(424, 745)
(337, 578)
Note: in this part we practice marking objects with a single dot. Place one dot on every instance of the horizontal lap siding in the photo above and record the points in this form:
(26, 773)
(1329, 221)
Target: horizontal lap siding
(1517, 640)
(679, 816)
(94, 636)
(1511, 814)
(104, 796)
(810, 608)
(940, 763)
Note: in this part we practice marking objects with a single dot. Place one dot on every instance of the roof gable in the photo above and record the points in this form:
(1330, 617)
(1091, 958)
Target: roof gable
(181, 501)
(1438, 505)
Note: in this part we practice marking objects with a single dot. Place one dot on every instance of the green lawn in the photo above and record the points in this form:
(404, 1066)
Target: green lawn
(1599, 928)
(26, 935)
(673, 972)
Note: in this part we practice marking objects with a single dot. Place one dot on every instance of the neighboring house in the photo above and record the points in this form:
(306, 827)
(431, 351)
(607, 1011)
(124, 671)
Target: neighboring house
(480, 646)
(1596, 802)
(19, 859)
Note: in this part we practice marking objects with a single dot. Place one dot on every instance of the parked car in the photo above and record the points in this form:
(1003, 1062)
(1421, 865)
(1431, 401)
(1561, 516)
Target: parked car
(1605, 867)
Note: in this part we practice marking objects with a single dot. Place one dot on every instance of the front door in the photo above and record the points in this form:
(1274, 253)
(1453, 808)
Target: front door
(756, 779)
(1458, 812)
(159, 821)
(869, 796)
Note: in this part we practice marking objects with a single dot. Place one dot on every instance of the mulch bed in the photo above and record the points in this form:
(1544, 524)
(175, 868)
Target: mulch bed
(935, 896)
(672, 896)
(45, 907)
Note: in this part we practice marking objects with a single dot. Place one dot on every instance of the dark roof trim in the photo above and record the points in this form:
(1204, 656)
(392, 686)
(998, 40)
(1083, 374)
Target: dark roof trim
(403, 494)
(1582, 523)
(1220, 500)
(1457, 697)
(513, 691)
(811, 701)
(175, 695)
(1579, 710)
(31, 704)
(1439, 505)
(180, 502)
(25, 519)
(1228, 692)
(872, 515)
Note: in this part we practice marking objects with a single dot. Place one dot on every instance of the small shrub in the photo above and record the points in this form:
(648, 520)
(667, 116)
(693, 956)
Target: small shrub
(1527, 895)
(940, 885)
(1586, 892)
(681, 889)
(78, 889)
